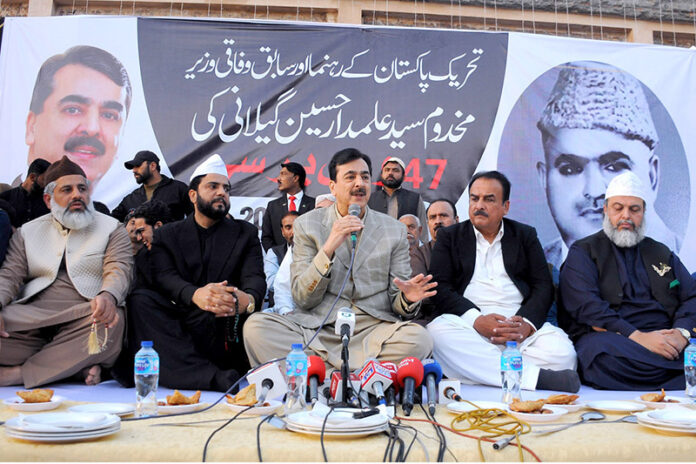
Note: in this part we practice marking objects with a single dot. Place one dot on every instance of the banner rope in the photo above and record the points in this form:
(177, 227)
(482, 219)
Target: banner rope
(522, 7)
(495, 13)
(625, 21)
(662, 31)
(601, 21)
(534, 18)
(674, 31)
(635, 20)
(591, 21)
(567, 16)
(555, 15)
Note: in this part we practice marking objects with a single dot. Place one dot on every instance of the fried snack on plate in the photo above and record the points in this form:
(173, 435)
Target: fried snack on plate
(38, 395)
(561, 399)
(527, 406)
(177, 399)
(653, 397)
(245, 397)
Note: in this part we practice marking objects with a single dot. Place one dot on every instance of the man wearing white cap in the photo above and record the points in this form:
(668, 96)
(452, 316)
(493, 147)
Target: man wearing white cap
(208, 276)
(626, 300)
(596, 125)
(394, 200)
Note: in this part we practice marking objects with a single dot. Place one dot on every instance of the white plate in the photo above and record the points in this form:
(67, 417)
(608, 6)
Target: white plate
(644, 417)
(576, 406)
(675, 416)
(120, 409)
(51, 423)
(615, 406)
(63, 438)
(335, 434)
(179, 408)
(309, 421)
(680, 400)
(459, 407)
(18, 404)
(273, 405)
(556, 412)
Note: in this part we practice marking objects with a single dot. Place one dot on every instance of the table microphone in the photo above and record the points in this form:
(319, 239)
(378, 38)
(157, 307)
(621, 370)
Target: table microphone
(375, 378)
(433, 375)
(316, 371)
(354, 210)
(270, 382)
(410, 376)
(393, 389)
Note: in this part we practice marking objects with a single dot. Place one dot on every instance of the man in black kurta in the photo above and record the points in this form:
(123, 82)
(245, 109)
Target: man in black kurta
(626, 300)
(208, 275)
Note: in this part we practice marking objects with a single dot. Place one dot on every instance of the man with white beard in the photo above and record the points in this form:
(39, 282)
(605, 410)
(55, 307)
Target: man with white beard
(65, 274)
(626, 300)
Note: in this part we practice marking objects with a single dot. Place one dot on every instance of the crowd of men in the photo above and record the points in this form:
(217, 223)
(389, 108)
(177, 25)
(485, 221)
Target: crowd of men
(172, 266)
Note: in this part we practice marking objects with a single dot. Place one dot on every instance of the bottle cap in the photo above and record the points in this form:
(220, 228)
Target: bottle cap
(692, 341)
(147, 344)
(511, 344)
(297, 346)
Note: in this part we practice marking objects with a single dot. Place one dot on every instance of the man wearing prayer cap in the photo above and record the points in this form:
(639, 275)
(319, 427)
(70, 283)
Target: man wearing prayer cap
(391, 199)
(626, 300)
(66, 273)
(207, 274)
(596, 125)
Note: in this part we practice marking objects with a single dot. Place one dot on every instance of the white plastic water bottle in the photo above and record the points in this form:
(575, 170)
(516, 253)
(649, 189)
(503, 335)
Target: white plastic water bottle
(146, 379)
(296, 373)
(511, 372)
(690, 368)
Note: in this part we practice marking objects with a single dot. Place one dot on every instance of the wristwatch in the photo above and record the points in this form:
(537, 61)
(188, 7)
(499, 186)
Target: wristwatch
(251, 306)
(685, 333)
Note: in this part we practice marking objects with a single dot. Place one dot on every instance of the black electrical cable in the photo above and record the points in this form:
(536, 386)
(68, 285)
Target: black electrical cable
(205, 448)
(440, 434)
(258, 434)
(321, 436)
(413, 440)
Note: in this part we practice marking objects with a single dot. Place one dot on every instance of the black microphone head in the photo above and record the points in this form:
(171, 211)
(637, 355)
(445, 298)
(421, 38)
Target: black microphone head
(354, 209)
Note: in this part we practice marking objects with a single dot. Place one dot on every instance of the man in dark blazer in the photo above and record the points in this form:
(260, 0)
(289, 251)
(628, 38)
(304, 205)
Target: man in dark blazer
(494, 286)
(291, 183)
(208, 276)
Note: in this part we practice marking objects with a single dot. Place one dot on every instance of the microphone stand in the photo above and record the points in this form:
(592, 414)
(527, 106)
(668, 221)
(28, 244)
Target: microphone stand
(344, 366)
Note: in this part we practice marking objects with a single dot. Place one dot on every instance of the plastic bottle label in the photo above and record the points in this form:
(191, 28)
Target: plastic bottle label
(146, 366)
(296, 367)
(511, 363)
(690, 358)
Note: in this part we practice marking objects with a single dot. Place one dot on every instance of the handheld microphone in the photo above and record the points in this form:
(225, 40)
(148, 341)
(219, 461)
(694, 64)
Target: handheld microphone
(410, 376)
(433, 375)
(354, 210)
(393, 389)
(316, 371)
(375, 378)
(271, 381)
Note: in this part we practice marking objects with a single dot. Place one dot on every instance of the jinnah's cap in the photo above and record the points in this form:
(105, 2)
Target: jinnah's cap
(626, 184)
(213, 165)
(590, 95)
(62, 167)
(394, 159)
(140, 158)
(324, 197)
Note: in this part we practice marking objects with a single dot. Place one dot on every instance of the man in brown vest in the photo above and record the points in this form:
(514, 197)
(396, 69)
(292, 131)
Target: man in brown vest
(63, 272)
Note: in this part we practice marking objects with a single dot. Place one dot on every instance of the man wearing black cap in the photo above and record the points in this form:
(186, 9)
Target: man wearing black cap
(291, 182)
(171, 192)
(27, 198)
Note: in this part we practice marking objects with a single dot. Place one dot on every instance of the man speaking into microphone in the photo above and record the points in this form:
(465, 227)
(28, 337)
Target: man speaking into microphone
(378, 288)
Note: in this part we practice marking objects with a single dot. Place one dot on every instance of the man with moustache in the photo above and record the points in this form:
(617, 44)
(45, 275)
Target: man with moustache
(495, 287)
(291, 182)
(207, 273)
(78, 109)
(441, 213)
(154, 186)
(64, 272)
(392, 199)
(596, 125)
(626, 300)
(413, 231)
(27, 198)
(378, 288)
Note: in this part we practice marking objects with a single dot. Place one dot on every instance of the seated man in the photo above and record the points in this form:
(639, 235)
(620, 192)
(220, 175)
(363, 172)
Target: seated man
(413, 231)
(63, 272)
(207, 272)
(378, 291)
(440, 213)
(626, 300)
(5, 234)
(495, 287)
(275, 254)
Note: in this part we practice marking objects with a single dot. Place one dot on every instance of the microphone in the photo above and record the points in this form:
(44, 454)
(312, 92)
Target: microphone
(270, 382)
(354, 210)
(393, 389)
(410, 376)
(316, 371)
(345, 324)
(375, 378)
(336, 390)
(433, 375)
